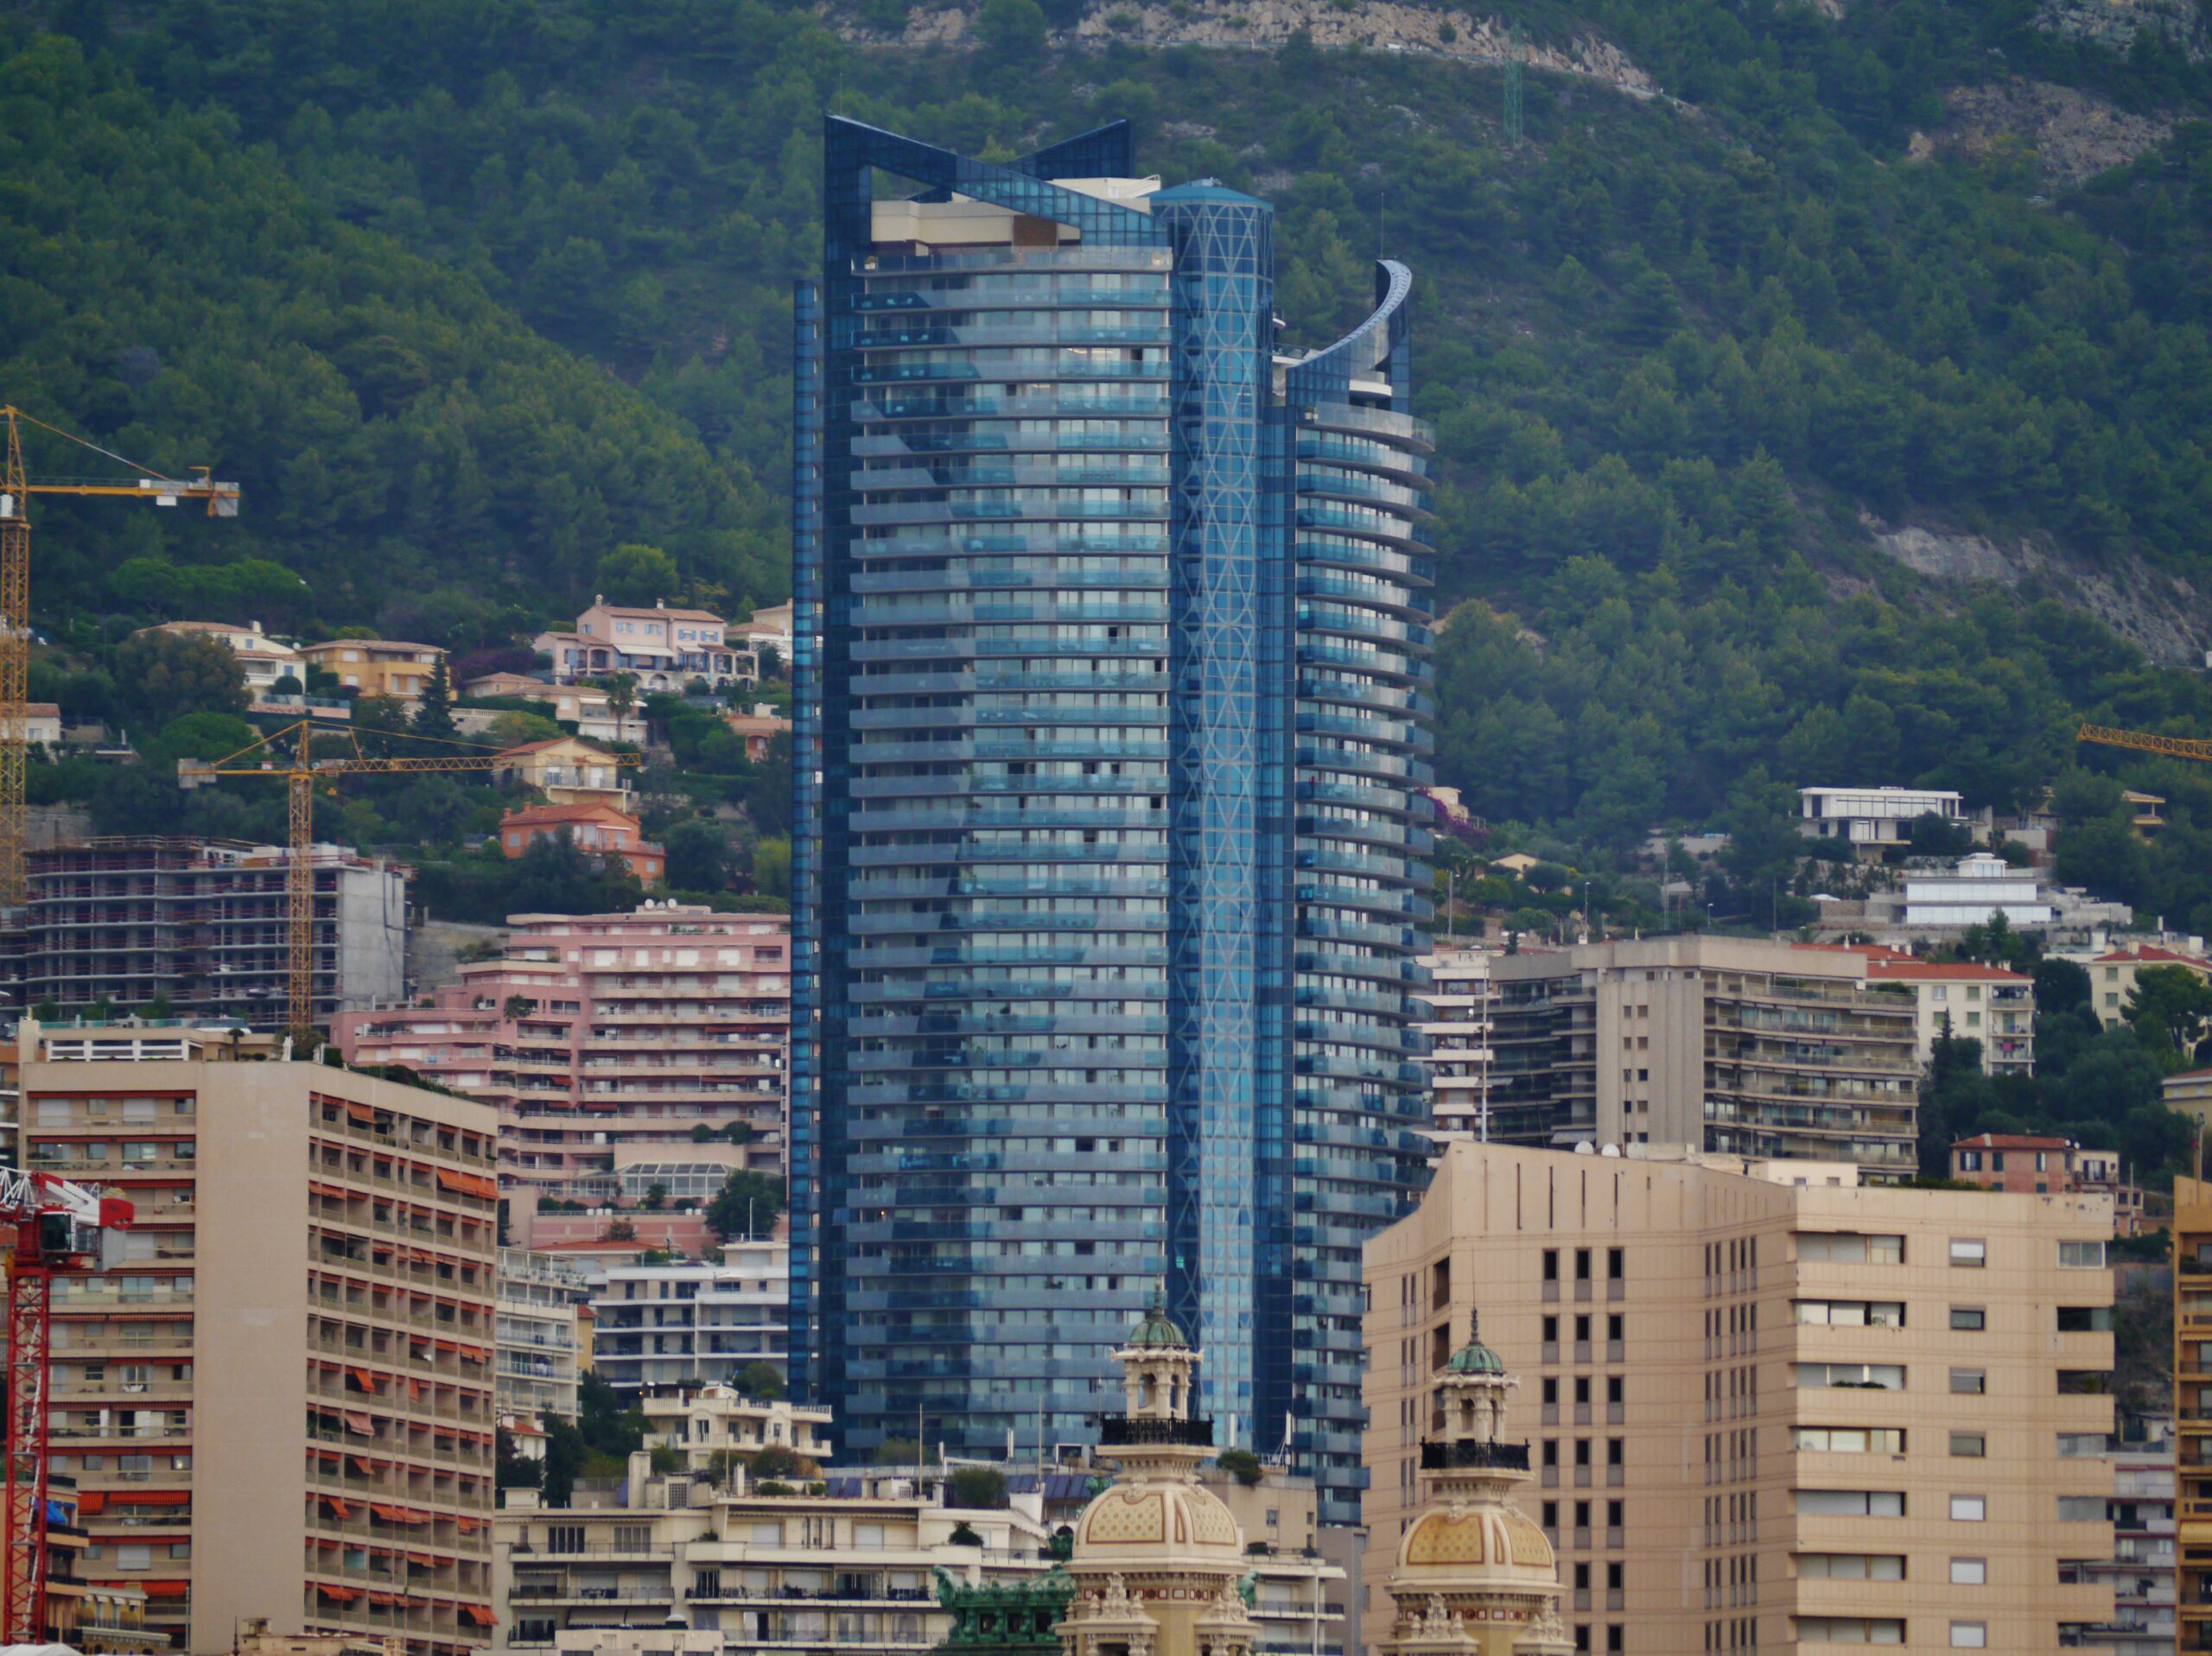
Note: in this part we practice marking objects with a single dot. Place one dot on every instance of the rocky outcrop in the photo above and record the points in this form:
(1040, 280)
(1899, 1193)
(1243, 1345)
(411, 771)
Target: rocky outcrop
(2075, 135)
(2115, 24)
(2167, 617)
(1375, 25)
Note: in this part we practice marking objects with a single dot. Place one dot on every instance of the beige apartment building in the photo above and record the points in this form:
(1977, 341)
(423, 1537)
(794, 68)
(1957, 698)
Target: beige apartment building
(279, 1402)
(1741, 1046)
(1771, 1408)
(386, 667)
(2192, 1234)
(1461, 998)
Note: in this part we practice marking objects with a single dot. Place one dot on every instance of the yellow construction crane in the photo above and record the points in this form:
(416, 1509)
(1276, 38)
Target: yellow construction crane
(290, 752)
(16, 489)
(2173, 747)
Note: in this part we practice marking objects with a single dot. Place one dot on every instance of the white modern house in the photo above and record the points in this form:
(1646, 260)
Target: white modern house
(1876, 816)
(1979, 888)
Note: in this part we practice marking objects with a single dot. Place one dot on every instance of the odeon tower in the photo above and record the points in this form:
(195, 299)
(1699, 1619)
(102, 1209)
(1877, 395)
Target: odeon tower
(1111, 635)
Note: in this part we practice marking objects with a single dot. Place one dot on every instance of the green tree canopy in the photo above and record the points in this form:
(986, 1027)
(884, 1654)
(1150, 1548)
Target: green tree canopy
(748, 1204)
(162, 677)
(634, 574)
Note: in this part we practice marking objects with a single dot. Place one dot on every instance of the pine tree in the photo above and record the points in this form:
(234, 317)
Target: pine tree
(434, 712)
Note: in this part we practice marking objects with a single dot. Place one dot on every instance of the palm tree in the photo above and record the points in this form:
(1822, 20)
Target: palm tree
(621, 698)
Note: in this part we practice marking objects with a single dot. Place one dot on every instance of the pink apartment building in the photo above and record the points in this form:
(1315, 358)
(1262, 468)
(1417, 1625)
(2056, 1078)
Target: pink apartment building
(595, 1030)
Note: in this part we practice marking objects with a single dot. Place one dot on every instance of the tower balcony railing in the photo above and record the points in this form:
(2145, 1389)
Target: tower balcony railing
(1464, 1455)
(1125, 1430)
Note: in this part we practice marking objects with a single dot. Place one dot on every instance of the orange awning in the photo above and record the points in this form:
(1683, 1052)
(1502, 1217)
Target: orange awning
(429, 1559)
(376, 1597)
(468, 1526)
(335, 1594)
(414, 1387)
(92, 1501)
(480, 1616)
(369, 1382)
(360, 1111)
(338, 1506)
(165, 1589)
(357, 1423)
(147, 1497)
(364, 1466)
(398, 1514)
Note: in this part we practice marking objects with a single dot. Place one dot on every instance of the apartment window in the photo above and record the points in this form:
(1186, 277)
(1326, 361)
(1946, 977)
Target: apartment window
(1551, 1264)
(1877, 1377)
(1969, 1251)
(1582, 1265)
(564, 1537)
(1849, 1630)
(1848, 1440)
(2082, 1256)
(1616, 1264)
(1969, 1572)
(1851, 1503)
(1849, 1313)
(2082, 1509)
(1970, 1635)
(2081, 1445)
(2085, 1319)
(1968, 1319)
(1971, 1509)
(1850, 1247)
(1969, 1382)
(1970, 1445)
(1851, 1566)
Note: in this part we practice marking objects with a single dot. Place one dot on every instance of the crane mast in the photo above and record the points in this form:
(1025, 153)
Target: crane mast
(290, 753)
(15, 660)
(16, 491)
(57, 1226)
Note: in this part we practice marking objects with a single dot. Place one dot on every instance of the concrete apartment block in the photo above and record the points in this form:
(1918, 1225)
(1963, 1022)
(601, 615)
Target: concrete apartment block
(606, 1029)
(205, 922)
(1771, 1407)
(278, 1402)
(1742, 1046)
(2192, 1234)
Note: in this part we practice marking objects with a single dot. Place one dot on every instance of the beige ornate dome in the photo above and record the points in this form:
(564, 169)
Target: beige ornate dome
(1129, 1527)
(1496, 1545)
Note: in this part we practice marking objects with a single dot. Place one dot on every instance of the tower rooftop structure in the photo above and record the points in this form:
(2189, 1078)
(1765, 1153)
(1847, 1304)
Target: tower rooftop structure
(1159, 1562)
(1475, 1575)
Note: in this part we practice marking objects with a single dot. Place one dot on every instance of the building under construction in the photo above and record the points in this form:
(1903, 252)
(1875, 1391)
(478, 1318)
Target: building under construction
(112, 924)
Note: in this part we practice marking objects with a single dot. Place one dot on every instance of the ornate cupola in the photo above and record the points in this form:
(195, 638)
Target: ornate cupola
(1157, 1558)
(1475, 1576)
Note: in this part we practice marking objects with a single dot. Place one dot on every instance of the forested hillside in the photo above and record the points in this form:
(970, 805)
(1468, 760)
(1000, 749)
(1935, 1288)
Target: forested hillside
(466, 292)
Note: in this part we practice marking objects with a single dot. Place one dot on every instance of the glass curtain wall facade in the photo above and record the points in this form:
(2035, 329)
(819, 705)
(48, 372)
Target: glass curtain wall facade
(1111, 679)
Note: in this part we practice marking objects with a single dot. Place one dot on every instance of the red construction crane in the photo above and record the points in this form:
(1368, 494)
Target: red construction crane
(57, 1227)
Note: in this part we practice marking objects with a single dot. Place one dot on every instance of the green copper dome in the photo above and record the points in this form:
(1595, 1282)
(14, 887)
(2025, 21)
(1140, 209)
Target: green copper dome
(1475, 1357)
(1158, 1328)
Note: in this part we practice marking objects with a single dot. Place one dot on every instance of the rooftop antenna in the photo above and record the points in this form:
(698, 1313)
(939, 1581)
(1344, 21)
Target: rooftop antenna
(1513, 45)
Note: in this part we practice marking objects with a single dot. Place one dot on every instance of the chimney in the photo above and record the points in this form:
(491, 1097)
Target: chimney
(660, 603)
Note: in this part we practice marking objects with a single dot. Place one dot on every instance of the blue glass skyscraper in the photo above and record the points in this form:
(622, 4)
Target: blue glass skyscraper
(1110, 661)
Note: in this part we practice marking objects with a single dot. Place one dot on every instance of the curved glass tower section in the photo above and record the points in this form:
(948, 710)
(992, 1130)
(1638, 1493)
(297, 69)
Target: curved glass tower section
(1110, 679)
(1357, 463)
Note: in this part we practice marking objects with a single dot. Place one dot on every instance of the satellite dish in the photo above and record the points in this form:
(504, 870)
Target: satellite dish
(1585, 1148)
